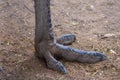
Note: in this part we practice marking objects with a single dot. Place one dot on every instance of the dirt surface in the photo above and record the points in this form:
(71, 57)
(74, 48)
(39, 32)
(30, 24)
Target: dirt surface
(96, 23)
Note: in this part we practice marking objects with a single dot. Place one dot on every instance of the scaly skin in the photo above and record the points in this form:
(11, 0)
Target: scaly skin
(46, 46)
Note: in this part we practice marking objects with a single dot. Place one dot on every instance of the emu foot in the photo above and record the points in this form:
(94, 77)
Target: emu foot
(69, 54)
(48, 51)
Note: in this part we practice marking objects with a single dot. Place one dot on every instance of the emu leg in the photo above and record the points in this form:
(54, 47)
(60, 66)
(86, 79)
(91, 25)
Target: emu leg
(44, 38)
(46, 47)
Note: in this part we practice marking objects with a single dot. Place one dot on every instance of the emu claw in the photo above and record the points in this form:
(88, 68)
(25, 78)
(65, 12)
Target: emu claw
(100, 56)
(62, 68)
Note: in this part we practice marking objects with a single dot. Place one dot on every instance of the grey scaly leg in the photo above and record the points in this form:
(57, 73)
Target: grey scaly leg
(46, 46)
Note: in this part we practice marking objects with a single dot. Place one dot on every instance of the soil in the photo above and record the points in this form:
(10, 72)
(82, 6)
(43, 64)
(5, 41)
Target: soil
(96, 23)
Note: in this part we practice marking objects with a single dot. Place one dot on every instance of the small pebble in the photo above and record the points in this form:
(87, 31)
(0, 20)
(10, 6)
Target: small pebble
(112, 51)
(107, 36)
(90, 7)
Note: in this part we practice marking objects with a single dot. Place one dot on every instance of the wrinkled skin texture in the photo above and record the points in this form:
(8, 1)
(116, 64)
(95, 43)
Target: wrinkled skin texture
(47, 47)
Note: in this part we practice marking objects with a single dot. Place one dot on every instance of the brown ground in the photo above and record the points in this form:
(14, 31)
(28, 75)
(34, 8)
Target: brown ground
(96, 24)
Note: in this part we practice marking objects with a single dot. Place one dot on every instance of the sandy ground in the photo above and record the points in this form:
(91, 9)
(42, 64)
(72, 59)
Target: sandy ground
(96, 23)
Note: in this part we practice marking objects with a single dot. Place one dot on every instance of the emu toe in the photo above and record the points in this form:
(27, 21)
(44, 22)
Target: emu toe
(58, 66)
(66, 39)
